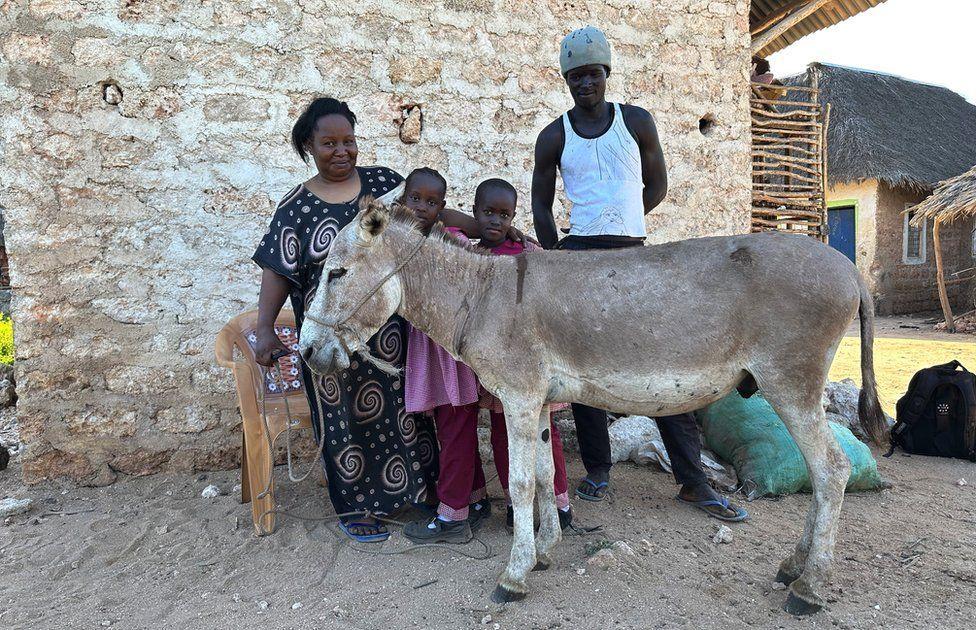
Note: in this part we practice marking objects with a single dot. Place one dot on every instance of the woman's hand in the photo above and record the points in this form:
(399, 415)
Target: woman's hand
(268, 347)
(274, 290)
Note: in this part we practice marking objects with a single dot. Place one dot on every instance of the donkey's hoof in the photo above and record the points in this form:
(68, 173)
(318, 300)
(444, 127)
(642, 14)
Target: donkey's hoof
(541, 565)
(502, 595)
(801, 607)
(785, 578)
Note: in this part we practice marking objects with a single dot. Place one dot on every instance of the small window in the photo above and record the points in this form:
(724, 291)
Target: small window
(973, 241)
(913, 238)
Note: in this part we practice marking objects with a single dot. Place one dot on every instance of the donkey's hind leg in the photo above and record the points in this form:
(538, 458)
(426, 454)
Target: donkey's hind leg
(549, 532)
(521, 422)
(808, 567)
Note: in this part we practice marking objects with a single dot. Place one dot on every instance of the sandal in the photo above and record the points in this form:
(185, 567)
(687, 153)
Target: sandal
(740, 513)
(599, 490)
(380, 536)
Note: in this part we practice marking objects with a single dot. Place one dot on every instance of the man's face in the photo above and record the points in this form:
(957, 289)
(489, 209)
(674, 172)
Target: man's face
(587, 85)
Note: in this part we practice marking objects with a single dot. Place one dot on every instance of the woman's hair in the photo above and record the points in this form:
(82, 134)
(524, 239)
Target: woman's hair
(425, 171)
(304, 127)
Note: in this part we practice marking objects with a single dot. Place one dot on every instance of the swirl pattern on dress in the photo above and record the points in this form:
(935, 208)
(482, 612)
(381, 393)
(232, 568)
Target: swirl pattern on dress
(389, 342)
(407, 426)
(329, 389)
(350, 463)
(425, 449)
(369, 403)
(395, 475)
(290, 248)
(361, 446)
(321, 242)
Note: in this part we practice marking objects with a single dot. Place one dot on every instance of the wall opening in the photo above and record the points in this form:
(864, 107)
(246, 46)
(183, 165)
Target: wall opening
(706, 125)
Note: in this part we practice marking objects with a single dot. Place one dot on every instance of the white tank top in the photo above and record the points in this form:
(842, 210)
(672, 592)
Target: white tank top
(602, 178)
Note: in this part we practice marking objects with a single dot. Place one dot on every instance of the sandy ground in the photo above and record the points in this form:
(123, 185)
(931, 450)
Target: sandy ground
(151, 553)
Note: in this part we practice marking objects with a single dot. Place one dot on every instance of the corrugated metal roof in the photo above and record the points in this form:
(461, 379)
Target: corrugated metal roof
(832, 13)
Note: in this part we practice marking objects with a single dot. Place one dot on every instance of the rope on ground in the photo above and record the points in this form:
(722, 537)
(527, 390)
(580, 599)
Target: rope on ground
(486, 554)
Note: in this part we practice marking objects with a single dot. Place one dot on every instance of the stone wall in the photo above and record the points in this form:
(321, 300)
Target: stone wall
(144, 144)
(898, 287)
(912, 288)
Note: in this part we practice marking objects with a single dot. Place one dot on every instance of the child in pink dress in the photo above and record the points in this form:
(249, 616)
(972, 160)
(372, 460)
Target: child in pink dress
(435, 383)
(494, 208)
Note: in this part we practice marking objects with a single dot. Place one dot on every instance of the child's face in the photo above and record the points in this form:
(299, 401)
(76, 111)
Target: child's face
(425, 198)
(494, 216)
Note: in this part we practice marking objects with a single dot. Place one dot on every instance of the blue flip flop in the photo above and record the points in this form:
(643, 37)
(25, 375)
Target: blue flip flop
(596, 488)
(363, 538)
(740, 513)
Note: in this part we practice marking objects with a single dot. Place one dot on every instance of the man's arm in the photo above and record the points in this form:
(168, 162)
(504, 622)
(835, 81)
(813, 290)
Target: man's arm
(548, 148)
(653, 170)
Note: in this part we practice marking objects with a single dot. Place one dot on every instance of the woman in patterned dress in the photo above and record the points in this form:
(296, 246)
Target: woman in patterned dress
(377, 457)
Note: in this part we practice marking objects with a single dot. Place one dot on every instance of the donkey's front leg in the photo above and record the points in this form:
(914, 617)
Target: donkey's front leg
(549, 532)
(521, 421)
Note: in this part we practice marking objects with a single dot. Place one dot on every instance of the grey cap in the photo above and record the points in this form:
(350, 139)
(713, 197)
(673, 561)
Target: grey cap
(583, 47)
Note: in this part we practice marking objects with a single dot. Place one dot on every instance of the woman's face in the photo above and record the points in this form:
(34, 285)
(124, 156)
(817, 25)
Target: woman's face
(333, 147)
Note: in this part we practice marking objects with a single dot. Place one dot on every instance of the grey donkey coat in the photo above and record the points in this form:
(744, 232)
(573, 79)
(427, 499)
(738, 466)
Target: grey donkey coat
(657, 330)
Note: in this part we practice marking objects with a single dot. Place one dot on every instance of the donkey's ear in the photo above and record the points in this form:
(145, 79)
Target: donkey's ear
(373, 219)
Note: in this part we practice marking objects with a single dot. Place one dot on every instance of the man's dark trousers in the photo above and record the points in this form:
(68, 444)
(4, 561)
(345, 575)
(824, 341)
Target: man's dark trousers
(679, 433)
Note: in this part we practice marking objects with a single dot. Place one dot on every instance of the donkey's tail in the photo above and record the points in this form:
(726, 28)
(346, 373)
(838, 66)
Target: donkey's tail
(868, 408)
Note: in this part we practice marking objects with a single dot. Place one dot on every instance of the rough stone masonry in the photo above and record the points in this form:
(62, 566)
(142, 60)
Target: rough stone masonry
(144, 145)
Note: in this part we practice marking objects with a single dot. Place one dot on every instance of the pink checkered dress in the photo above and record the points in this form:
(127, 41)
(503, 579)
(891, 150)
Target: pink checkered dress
(433, 378)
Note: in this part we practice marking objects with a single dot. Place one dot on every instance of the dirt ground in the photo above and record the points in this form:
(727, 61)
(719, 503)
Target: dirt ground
(152, 553)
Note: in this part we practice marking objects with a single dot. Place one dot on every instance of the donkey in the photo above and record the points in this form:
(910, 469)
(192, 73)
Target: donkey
(663, 330)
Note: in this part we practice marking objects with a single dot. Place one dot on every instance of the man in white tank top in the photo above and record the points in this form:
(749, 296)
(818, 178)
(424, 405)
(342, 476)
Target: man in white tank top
(613, 172)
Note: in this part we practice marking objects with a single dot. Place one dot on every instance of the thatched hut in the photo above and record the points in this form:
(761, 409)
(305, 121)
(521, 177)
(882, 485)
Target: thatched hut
(890, 142)
(954, 201)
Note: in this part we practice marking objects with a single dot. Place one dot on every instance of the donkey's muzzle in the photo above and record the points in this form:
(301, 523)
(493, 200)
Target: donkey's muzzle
(325, 359)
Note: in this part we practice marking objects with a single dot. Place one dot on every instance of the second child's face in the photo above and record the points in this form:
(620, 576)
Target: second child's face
(425, 198)
(494, 216)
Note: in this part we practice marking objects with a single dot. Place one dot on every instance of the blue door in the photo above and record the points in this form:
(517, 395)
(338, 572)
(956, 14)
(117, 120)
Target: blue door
(842, 235)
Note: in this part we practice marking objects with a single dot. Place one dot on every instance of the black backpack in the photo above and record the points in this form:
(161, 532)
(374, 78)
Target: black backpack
(937, 415)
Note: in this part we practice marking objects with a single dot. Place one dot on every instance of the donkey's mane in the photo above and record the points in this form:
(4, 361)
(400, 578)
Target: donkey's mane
(400, 215)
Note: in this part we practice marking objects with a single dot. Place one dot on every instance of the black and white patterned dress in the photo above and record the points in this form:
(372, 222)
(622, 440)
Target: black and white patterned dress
(376, 456)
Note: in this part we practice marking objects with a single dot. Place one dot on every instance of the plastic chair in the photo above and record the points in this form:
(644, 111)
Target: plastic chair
(255, 382)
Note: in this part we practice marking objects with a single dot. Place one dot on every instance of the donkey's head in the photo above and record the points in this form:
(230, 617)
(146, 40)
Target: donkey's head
(358, 292)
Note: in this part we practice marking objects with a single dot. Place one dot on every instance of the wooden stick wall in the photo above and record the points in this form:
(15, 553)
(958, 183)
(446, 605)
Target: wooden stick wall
(789, 160)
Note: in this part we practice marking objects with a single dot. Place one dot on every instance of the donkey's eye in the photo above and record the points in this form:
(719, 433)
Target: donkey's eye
(337, 273)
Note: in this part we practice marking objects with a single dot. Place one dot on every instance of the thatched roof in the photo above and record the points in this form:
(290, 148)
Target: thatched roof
(764, 11)
(891, 129)
(953, 199)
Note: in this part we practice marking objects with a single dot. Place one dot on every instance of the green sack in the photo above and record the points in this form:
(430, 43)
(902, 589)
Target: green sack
(748, 433)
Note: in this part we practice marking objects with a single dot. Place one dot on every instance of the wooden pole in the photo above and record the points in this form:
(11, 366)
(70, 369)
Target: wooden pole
(801, 13)
(825, 184)
(776, 16)
(940, 278)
